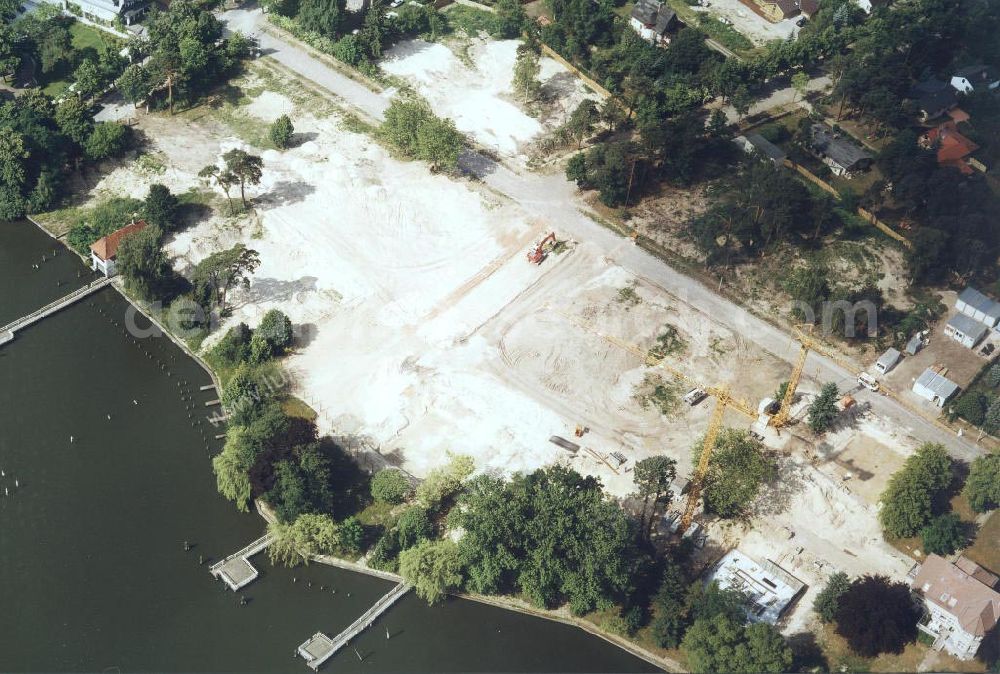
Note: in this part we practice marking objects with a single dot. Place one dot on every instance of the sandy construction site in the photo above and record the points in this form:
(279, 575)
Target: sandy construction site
(423, 329)
(475, 90)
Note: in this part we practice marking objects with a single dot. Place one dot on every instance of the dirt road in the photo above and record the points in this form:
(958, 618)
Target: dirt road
(555, 200)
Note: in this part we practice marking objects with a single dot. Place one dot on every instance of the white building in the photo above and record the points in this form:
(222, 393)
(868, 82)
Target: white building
(653, 20)
(975, 78)
(102, 11)
(104, 251)
(961, 604)
(769, 588)
(973, 303)
(934, 387)
(965, 330)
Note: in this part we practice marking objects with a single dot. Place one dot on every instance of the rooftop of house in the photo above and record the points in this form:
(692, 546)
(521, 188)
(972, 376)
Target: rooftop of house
(839, 148)
(765, 147)
(933, 96)
(106, 247)
(788, 7)
(952, 146)
(809, 7)
(959, 590)
(653, 13)
(940, 385)
(978, 73)
(968, 326)
(980, 302)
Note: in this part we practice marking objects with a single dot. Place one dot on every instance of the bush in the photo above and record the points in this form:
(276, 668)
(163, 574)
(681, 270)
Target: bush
(281, 131)
(276, 328)
(828, 600)
(943, 535)
(233, 348)
(972, 407)
(413, 527)
(993, 376)
(390, 486)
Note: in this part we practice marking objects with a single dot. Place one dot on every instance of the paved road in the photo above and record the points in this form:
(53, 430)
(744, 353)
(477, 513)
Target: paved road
(779, 98)
(554, 199)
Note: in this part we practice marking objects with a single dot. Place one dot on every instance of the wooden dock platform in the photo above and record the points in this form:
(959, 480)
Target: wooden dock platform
(319, 648)
(236, 571)
(7, 331)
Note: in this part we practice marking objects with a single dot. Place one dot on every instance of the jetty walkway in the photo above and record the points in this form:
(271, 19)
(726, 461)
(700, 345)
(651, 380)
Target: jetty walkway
(7, 331)
(236, 571)
(319, 648)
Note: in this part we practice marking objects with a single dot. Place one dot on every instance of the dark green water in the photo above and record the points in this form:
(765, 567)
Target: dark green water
(93, 571)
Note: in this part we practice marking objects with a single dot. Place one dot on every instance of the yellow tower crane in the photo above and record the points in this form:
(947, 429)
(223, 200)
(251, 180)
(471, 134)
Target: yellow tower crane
(723, 400)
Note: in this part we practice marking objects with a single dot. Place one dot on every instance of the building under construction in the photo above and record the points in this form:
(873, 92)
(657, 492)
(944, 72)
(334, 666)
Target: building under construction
(768, 588)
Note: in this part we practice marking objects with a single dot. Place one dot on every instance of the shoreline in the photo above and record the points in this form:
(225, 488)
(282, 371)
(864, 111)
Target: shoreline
(506, 603)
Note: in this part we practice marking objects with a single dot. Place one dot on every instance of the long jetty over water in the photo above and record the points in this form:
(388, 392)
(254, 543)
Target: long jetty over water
(7, 331)
(319, 648)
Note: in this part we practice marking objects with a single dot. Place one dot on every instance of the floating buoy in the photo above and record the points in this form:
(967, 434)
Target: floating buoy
(134, 401)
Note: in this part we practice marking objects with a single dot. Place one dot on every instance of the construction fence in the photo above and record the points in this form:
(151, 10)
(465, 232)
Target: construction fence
(866, 215)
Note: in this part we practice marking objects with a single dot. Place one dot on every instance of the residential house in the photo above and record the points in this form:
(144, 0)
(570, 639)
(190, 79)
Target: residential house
(888, 360)
(838, 151)
(777, 10)
(106, 12)
(935, 387)
(975, 78)
(960, 601)
(104, 251)
(768, 588)
(653, 21)
(973, 303)
(934, 98)
(765, 149)
(965, 330)
(953, 149)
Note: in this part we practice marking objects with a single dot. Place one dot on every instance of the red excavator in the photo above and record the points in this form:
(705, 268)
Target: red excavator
(542, 250)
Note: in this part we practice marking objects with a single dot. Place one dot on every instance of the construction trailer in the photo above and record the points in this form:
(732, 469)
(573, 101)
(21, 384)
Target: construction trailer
(933, 386)
(965, 330)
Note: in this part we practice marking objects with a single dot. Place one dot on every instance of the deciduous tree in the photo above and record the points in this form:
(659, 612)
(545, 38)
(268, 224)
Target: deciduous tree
(281, 131)
(877, 615)
(982, 487)
(433, 568)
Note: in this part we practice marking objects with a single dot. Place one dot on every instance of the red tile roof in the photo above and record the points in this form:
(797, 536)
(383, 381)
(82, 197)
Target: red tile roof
(107, 247)
(952, 146)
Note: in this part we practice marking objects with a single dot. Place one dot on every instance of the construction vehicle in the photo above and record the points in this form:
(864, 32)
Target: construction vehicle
(724, 400)
(542, 250)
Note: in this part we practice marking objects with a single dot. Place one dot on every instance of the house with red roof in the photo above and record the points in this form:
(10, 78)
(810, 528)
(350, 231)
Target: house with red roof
(104, 251)
(953, 149)
(961, 604)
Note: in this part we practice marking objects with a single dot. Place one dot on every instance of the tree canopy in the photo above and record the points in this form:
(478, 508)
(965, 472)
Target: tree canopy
(433, 568)
(552, 535)
(723, 644)
(909, 499)
(877, 615)
(982, 487)
(737, 470)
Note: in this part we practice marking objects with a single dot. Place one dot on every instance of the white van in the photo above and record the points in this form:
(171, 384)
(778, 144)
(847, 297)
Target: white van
(868, 381)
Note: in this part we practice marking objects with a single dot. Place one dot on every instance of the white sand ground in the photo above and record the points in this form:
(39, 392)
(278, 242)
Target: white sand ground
(480, 98)
(422, 329)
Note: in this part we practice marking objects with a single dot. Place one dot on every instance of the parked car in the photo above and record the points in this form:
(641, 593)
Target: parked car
(868, 381)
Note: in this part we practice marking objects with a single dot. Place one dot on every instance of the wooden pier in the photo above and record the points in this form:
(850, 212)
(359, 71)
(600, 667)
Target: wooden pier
(236, 571)
(7, 331)
(319, 648)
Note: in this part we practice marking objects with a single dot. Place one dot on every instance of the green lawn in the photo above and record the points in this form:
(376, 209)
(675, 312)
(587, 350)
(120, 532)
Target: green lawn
(85, 39)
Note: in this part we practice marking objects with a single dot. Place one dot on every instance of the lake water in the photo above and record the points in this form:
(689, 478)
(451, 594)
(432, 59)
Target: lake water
(93, 571)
